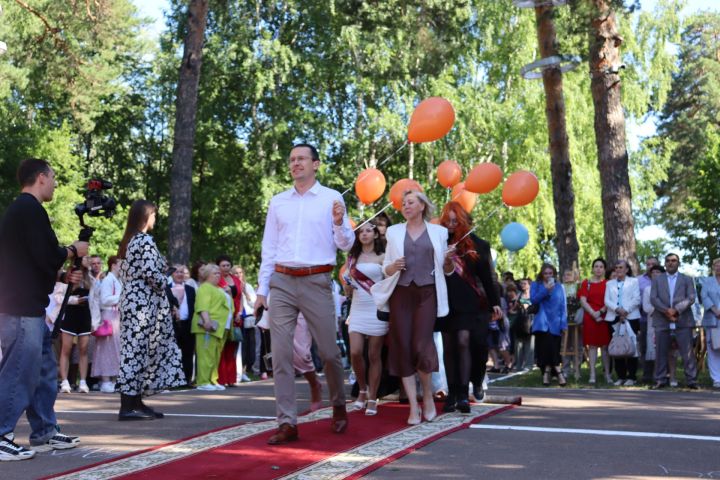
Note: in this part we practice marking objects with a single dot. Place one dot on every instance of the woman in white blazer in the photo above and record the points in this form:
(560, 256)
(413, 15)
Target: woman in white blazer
(710, 295)
(622, 299)
(416, 259)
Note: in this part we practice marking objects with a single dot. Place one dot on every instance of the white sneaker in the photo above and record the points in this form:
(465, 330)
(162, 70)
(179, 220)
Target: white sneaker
(107, 387)
(673, 383)
(58, 442)
(206, 388)
(219, 387)
(83, 387)
(65, 387)
(10, 451)
(629, 383)
(619, 382)
(244, 378)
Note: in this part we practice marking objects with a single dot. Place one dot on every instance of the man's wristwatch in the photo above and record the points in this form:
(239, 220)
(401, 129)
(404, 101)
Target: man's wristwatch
(73, 250)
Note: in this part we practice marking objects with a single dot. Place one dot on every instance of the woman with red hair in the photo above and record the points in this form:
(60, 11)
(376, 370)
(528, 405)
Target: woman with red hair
(471, 304)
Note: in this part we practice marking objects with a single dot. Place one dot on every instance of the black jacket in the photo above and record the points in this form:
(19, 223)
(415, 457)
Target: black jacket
(30, 258)
(189, 294)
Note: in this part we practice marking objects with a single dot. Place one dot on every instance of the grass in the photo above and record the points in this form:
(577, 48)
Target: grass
(533, 379)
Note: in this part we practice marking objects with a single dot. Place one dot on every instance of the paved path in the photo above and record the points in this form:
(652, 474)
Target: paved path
(553, 435)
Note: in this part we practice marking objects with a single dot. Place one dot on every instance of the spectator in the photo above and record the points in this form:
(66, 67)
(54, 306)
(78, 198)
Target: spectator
(212, 319)
(499, 340)
(150, 360)
(710, 294)
(77, 325)
(673, 295)
(248, 298)
(227, 370)
(647, 365)
(382, 222)
(416, 256)
(106, 362)
(96, 267)
(522, 337)
(650, 353)
(622, 300)
(549, 323)
(596, 332)
(182, 301)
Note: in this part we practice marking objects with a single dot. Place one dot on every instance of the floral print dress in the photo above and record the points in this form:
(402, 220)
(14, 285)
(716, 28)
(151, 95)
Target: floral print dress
(150, 360)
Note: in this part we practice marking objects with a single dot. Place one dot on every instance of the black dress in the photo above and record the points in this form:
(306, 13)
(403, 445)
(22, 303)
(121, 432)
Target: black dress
(468, 309)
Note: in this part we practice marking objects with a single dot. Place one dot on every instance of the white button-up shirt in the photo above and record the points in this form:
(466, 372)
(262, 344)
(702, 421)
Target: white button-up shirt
(299, 232)
(672, 280)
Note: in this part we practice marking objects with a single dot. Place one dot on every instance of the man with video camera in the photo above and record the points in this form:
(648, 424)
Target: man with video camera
(30, 258)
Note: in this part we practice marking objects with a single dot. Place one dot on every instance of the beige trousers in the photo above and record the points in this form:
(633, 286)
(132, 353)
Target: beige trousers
(312, 296)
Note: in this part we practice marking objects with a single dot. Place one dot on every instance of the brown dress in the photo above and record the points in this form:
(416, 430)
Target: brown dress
(413, 308)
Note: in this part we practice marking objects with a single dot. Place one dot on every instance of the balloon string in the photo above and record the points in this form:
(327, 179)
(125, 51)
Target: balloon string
(383, 162)
(370, 219)
(477, 225)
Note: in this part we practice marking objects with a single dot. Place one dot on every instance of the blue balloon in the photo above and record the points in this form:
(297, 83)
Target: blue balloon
(514, 236)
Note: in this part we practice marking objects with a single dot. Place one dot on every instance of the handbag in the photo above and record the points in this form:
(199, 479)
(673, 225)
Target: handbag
(623, 344)
(236, 334)
(104, 330)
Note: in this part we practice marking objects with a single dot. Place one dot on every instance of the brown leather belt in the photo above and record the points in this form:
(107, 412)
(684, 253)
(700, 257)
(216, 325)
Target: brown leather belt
(304, 271)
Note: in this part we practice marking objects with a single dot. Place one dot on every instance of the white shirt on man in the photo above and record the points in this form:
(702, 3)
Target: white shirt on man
(299, 232)
(672, 280)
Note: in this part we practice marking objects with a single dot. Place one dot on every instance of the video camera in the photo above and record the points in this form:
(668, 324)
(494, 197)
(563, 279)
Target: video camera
(96, 204)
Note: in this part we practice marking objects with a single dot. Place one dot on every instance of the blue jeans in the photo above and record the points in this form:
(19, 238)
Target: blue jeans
(28, 376)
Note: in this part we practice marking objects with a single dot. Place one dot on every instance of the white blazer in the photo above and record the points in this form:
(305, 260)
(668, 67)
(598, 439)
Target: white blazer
(395, 249)
(630, 298)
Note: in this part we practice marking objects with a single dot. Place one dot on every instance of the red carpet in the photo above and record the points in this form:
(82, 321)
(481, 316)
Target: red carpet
(369, 443)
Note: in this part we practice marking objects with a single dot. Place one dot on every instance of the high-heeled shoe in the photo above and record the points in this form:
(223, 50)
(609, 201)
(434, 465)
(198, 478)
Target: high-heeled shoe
(371, 408)
(359, 404)
(414, 418)
(431, 414)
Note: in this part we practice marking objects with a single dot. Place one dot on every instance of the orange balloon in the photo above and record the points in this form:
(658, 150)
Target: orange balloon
(432, 119)
(353, 223)
(520, 189)
(435, 220)
(370, 185)
(463, 197)
(483, 178)
(398, 190)
(449, 173)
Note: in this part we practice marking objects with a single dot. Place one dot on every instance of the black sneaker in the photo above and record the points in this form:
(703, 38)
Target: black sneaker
(9, 450)
(59, 441)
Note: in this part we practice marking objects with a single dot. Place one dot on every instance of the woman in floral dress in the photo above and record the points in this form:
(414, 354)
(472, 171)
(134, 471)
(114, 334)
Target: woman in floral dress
(150, 360)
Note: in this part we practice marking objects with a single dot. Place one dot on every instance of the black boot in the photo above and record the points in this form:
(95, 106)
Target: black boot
(449, 405)
(141, 405)
(130, 409)
(463, 404)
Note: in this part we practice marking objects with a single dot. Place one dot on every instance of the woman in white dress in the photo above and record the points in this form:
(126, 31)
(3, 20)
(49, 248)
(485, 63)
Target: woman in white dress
(364, 267)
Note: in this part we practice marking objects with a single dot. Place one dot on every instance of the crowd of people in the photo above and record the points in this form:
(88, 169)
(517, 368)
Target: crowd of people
(421, 302)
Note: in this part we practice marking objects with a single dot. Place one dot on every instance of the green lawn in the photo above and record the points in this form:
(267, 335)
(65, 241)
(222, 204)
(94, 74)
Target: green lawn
(533, 378)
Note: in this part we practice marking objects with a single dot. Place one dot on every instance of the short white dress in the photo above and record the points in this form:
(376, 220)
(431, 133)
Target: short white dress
(363, 311)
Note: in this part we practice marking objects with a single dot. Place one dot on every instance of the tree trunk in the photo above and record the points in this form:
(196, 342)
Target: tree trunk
(180, 234)
(563, 195)
(610, 136)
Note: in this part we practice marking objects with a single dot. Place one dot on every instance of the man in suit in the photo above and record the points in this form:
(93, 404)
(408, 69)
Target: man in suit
(673, 294)
(182, 301)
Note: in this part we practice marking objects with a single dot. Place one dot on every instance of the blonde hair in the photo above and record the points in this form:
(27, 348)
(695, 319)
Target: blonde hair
(207, 270)
(429, 207)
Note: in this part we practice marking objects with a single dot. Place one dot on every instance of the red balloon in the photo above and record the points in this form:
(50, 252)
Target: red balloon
(449, 173)
(463, 197)
(483, 178)
(432, 119)
(520, 189)
(370, 185)
(398, 190)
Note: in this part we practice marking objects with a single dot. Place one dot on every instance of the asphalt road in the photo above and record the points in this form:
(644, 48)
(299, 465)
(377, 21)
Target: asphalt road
(555, 434)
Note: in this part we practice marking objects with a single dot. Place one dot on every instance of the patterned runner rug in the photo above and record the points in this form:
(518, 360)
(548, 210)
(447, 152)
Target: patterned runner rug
(369, 443)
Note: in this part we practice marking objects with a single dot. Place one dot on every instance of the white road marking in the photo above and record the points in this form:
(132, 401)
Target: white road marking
(105, 412)
(620, 433)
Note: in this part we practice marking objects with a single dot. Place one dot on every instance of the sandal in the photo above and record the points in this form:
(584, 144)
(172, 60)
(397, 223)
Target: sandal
(361, 403)
(371, 408)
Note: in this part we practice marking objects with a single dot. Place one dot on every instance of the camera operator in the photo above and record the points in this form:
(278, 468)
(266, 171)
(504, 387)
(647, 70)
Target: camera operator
(30, 257)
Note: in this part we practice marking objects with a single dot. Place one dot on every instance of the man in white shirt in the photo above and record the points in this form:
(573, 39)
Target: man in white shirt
(305, 226)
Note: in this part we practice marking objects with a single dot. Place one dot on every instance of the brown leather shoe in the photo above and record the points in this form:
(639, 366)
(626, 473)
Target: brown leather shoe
(286, 433)
(339, 421)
